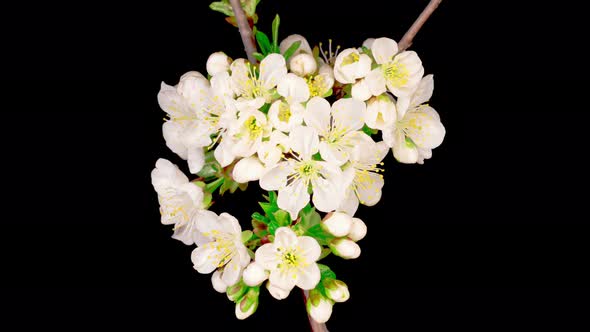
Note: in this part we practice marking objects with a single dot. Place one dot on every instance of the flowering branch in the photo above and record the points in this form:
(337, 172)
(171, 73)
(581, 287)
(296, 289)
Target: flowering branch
(406, 40)
(245, 30)
(315, 326)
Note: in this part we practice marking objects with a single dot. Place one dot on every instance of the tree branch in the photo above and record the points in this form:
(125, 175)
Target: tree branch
(315, 326)
(407, 39)
(245, 30)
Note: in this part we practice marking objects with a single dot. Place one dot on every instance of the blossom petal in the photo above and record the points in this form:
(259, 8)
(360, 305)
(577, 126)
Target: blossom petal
(217, 63)
(424, 91)
(328, 191)
(195, 89)
(283, 279)
(272, 70)
(247, 169)
(305, 141)
(383, 50)
(167, 174)
(348, 114)
(277, 292)
(290, 40)
(413, 65)
(285, 238)
(333, 153)
(350, 203)
(224, 152)
(276, 177)
(196, 159)
(376, 82)
(317, 114)
(425, 128)
(229, 224)
(206, 222)
(267, 256)
(171, 102)
(360, 90)
(310, 249)
(404, 151)
(293, 198)
(232, 272)
(308, 277)
(172, 131)
(203, 261)
(369, 188)
(363, 66)
(293, 88)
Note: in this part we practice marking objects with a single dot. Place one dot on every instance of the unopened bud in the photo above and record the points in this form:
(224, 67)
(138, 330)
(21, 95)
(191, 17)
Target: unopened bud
(358, 230)
(345, 248)
(303, 64)
(217, 63)
(248, 304)
(235, 292)
(336, 290)
(254, 274)
(277, 292)
(338, 224)
(318, 307)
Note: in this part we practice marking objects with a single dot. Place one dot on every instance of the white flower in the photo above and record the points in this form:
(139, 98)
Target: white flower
(319, 307)
(221, 246)
(337, 224)
(254, 274)
(293, 177)
(345, 248)
(380, 112)
(247, 169)
(303, 64)
(418, 129)
(358, 230)
(254, 90)
(270, 152)
(179, 200)
(287, 112)
(246, 133)
(291, 260)
(321, 84)
(217, 63)
(363, 169)
(351, 65)
(197, 110)
(337, 126)
(400, 73)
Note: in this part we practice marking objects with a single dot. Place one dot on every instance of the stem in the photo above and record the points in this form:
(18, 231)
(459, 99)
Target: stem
(245, 30)
(315, 326)
(407, 39)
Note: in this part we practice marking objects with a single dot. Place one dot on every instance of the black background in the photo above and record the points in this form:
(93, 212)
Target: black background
(490, 234)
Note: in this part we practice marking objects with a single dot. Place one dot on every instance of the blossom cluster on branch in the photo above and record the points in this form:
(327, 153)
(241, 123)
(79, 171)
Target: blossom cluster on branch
(312, 126)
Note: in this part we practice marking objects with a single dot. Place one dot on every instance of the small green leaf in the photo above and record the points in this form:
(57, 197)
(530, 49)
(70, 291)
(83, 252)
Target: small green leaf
(207, 199)
(369, 131)
(272, 227)
(243, 186)
(263, 42)
(326, 272)
(264, 109)
(246, 236)
(257, 216)
(222, 7)
(319, 234)
(258, 56)
(329, 93)
(317, 156)
(282, 218)
(272, 197)
(325, 252)
(309, 218)
(275, 31)
(211, 187)
(291, 50)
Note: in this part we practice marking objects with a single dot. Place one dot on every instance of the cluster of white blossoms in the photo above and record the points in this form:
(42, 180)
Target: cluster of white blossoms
(305, 127)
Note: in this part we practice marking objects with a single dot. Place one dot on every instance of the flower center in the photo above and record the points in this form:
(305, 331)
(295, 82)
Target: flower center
(363, 179)
(290, 261)
(317, 86)
(223, 245)
(284, 112)
(254, 129)
(350, 59)
(396, 73)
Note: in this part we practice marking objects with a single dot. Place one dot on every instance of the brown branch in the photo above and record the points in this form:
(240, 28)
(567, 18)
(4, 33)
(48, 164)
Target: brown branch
(245, 30)
(407, 39)
(315, 326)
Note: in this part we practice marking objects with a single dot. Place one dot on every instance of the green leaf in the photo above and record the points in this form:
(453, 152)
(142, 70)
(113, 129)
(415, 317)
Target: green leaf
(326, 272)
(211, 187)
(275, 32)
(210, 170)
(317, 156)
(319, 234)
(272, 197)
(272, 227)
(257, 216)
(291, 50)
(207, 199)
(264, 109)
(258, 56)
(282, 217)
(222, 7)
(250, 7)
(263, 42)
(309, 217)
(369, 131)
(325, 253)
(329, 93)
(246, 235)
(268, 208)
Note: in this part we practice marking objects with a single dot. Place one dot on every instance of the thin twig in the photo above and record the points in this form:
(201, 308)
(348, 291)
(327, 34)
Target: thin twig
(245, 30)
(406, 40)
(315, 326)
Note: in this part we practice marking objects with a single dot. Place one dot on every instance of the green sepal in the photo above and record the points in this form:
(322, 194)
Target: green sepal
(282, 218)
(258, 56)
(258, 217)
(264, 109)
(291, 50)
(246, 235)
(325, 252)
(318, 233)
(275, 33)
(329, 93)
(222, 7)
(263, 42)
(369, 131)
(326, 272)
(212, 186)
